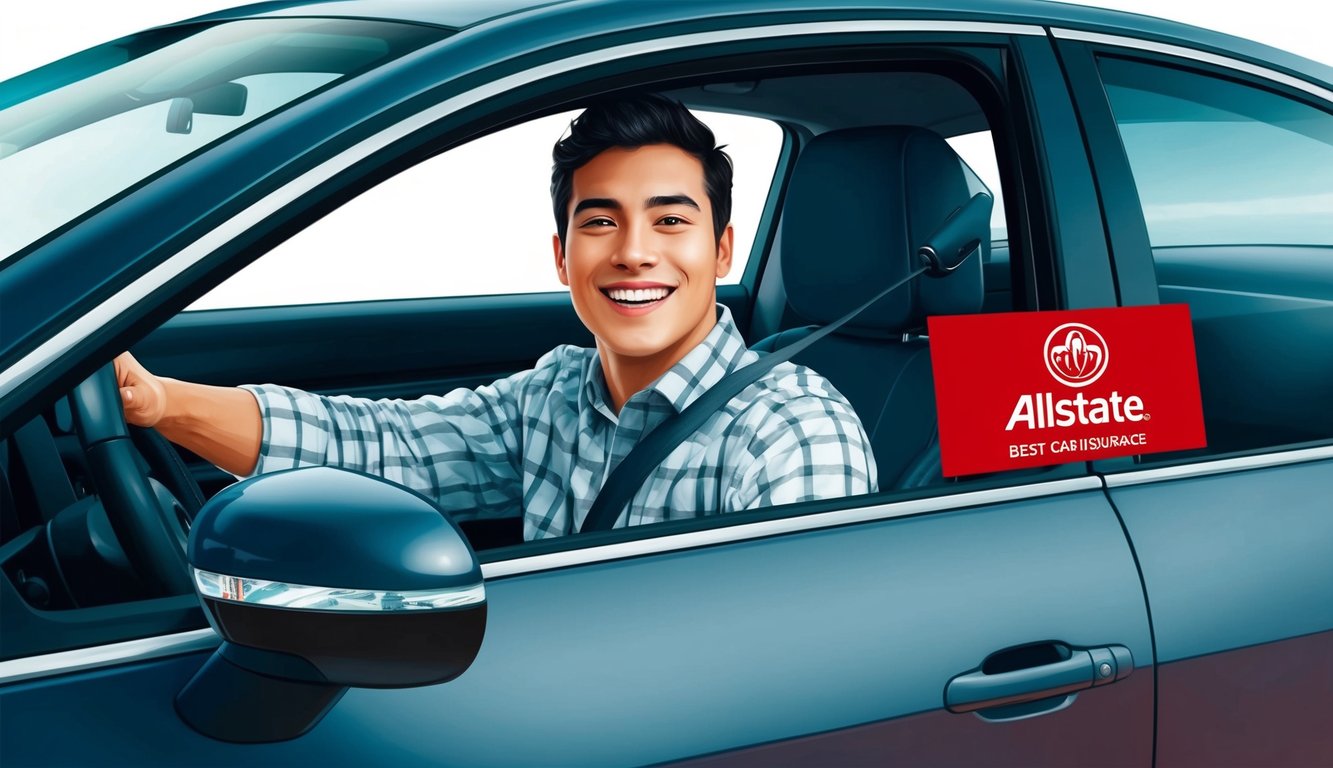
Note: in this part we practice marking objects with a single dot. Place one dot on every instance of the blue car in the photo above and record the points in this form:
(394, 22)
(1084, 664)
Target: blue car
(323, 194)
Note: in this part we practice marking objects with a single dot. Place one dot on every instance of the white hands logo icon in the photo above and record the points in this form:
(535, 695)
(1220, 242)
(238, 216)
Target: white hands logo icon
(1076, 354)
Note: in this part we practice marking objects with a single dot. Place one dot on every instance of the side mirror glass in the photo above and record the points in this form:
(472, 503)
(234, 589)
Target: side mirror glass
(319, 579)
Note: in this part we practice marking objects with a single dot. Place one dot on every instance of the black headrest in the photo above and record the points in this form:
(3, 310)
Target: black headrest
(861, 202)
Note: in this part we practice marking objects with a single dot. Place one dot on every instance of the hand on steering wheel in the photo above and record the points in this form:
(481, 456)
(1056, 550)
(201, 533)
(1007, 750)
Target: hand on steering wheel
(145, 520)
(141, 394)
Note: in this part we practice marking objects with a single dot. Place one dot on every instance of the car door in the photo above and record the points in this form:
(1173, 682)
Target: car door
(845, 633)
(965, 622)
(1216, 172)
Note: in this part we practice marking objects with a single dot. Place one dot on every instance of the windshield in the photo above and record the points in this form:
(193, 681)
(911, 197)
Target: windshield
(78, 132)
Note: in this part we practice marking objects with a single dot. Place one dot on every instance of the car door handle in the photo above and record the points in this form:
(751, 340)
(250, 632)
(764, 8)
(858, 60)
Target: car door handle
(1084, 668)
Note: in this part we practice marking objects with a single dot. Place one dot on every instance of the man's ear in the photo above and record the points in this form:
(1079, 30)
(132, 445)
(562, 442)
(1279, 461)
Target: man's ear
(559, 260)
(724, 251)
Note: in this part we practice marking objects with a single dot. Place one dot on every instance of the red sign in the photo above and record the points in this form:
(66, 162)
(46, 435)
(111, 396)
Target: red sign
(1025, 389)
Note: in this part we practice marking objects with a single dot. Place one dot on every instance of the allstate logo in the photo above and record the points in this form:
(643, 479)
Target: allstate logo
(1076, 354)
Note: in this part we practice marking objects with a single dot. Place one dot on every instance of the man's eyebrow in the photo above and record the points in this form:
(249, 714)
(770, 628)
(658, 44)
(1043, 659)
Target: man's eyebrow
(596, 202)
(660, 201)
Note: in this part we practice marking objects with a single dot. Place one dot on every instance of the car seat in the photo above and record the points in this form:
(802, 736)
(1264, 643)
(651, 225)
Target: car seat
(860, 203)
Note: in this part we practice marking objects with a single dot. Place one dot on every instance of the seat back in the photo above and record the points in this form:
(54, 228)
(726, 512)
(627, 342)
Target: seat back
(860, 204)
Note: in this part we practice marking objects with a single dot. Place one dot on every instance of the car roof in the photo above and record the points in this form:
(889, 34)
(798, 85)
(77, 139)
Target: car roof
(465, 14)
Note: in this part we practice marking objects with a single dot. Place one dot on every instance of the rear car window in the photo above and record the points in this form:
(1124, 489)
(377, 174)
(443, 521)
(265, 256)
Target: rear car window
(1217, 162)
(1236, 183)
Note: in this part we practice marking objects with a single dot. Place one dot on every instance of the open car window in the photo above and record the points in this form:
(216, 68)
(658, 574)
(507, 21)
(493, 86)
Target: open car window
(474, 221)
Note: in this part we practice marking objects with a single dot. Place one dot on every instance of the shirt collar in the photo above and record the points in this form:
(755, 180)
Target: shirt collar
(722, 351)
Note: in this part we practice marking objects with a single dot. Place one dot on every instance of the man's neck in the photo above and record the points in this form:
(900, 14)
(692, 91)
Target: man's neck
(626, 376)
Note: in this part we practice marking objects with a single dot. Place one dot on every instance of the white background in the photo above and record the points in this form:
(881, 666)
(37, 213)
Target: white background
(33, 33)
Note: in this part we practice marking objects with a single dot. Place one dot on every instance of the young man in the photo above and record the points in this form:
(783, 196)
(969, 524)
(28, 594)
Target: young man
(642, 201)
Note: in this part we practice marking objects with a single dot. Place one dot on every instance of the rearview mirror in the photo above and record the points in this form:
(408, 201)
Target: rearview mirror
(227, 99)
(319, 579)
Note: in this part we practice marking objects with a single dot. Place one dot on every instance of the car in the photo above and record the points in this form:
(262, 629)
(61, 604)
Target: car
(1143, 608)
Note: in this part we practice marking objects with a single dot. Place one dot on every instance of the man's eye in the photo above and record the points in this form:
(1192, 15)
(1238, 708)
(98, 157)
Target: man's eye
(599, 222)
(671, 221)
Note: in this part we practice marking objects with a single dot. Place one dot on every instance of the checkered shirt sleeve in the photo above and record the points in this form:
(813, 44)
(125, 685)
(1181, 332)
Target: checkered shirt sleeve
(462, 449)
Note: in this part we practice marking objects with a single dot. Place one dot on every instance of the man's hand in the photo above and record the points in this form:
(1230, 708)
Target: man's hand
(141, 393)
(220, 424)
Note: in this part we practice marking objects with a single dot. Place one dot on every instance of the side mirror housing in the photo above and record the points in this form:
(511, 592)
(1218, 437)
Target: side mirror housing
(319, 579)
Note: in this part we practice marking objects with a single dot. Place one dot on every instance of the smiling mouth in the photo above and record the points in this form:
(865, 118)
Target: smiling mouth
(637, 297)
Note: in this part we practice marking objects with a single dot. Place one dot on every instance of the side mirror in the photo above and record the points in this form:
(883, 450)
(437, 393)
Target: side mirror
(319, 579)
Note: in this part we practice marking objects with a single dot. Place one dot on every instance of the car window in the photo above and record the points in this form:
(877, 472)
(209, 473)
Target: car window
(1236, 183)
(85, 129)
(1216, 162)
(474, 221)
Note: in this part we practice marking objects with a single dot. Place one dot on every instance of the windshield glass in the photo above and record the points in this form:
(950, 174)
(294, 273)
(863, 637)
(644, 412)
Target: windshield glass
(78, 132)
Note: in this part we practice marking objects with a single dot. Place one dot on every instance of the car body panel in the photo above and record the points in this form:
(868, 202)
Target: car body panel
(1243, 617)
(1261, 539)
(1260, 705)
(699, 651)
(459, 15)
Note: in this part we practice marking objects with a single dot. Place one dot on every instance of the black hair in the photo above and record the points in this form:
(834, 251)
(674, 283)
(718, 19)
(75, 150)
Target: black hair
(633, 122)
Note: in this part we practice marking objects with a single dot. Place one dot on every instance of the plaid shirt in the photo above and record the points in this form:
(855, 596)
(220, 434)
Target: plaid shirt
(543, 441)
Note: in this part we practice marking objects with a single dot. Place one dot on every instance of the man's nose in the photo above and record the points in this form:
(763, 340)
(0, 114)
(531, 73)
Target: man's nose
(637, 249)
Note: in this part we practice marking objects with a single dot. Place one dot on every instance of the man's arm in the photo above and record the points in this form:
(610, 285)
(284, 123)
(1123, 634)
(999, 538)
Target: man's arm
(462, 449)
(220, 424)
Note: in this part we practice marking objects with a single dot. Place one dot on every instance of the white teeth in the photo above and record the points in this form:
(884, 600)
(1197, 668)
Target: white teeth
(638, 294)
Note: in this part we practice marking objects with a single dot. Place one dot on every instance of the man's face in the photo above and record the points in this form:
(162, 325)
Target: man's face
(640, 257)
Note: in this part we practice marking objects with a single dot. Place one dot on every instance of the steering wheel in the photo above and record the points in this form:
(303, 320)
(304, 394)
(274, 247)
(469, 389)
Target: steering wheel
(143, 514)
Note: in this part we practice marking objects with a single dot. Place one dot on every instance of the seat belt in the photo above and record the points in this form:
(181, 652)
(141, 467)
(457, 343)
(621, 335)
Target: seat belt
(944, 251)
(628, 476)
